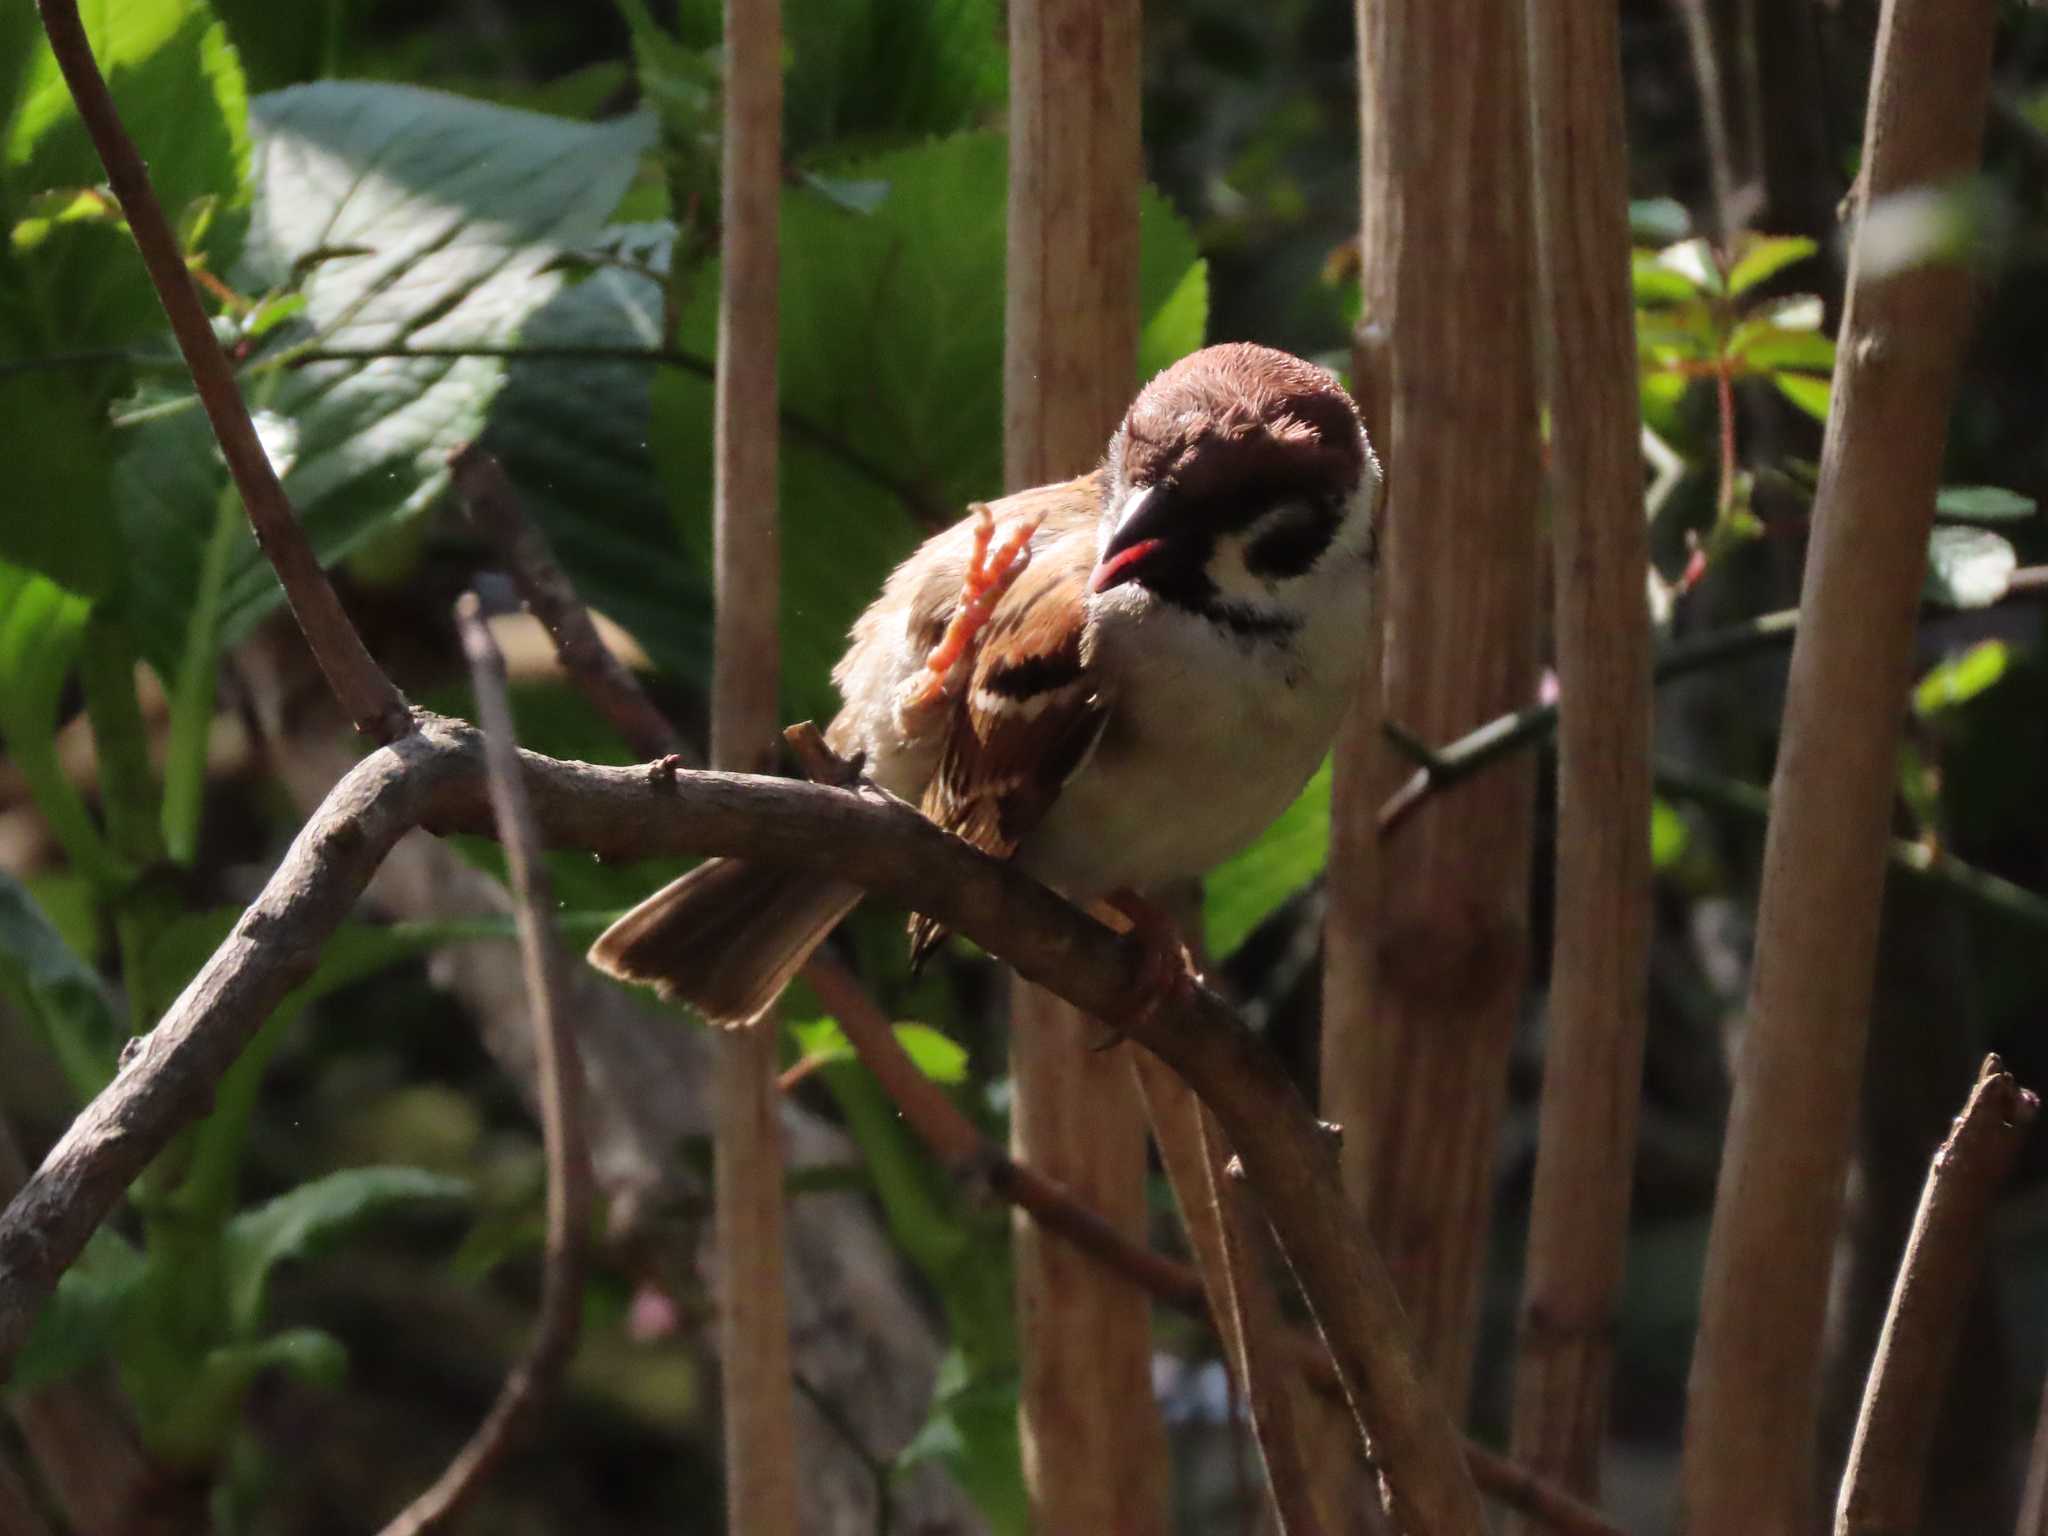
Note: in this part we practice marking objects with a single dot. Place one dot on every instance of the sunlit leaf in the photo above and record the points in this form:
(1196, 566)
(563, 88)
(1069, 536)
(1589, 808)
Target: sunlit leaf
(1807, 391)
(1694, 261)
(1764, 256)
(1669, 835)
(1958, 679)
(1655, 282)
(1968, 567)
(407, 219)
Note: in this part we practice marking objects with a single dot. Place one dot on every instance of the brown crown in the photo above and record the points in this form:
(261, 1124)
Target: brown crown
(1237, 415)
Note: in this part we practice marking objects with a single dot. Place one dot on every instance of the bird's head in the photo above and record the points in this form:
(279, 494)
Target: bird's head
(1239, 476)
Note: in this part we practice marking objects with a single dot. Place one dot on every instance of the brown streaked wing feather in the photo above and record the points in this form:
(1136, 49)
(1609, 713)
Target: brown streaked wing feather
(1026, 720)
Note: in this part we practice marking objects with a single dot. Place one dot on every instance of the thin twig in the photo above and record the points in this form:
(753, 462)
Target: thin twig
(1885, 1484)
(495, 508)
(377, 708)
(558, 1080)
(1438, 768)
(1993, 893)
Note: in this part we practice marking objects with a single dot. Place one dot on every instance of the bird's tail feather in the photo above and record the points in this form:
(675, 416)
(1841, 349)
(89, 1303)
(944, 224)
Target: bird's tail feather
(726, 938)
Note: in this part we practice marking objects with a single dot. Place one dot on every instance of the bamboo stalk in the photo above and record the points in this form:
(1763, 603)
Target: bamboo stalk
(1593, 1054)
(1094, 1449)
(1423, 1085)
(1748, 1461)
(753, 1315)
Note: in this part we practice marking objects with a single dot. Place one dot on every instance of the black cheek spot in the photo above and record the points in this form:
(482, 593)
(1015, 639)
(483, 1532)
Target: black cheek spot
(1293, 542)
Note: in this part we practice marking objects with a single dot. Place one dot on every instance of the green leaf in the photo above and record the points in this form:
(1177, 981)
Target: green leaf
(936, 1055)
(1810, 394)
(1658, 220)
(1253, 886)
(406, 219)
(1983, 504)
(1694, 261)
(1783, 333)
(1968, 567)
(1656, 282)
(84, 1321)
(1669, 836)
(313, 1219)
(971, 1430)
(1958, 679)
(180, 92)
(192, 691)
(206, 1414)
(40, 973)
(1764, 257)
(41, 628)
(883, 73)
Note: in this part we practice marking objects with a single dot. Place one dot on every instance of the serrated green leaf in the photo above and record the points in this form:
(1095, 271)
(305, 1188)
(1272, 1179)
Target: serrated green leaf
(1805, 390)
(311, 1220)
(41, 975)
(881, 73)
(1250, 888)
(439, 219)
(83, 1321)
(1983, 504)
(1764, 257)
(1968, 567)
(1958, 679)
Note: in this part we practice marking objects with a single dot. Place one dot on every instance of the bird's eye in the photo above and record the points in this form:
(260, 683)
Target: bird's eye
(1288, 540)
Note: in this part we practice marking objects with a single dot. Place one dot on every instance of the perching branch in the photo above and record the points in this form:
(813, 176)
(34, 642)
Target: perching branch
(434, 777)
(377, 708)
(558, 1076)
(1884, 1487)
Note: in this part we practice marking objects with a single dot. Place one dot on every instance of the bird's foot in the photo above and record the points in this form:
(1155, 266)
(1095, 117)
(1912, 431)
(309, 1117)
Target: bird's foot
(1169, 974)
(990, 573)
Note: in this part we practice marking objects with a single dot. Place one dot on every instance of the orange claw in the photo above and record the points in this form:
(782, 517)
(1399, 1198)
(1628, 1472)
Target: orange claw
(989, 576)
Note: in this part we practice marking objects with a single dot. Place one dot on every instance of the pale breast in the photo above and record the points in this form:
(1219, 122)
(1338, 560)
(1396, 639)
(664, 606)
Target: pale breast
(1210, 738)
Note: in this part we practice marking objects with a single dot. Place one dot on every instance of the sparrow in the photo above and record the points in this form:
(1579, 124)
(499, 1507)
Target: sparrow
(1115, 681)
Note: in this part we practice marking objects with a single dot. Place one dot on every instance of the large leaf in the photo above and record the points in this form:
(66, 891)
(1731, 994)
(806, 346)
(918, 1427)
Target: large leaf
(892, 347)
(179, 87)
(409, 219)
(313, 1219)
(40, 973)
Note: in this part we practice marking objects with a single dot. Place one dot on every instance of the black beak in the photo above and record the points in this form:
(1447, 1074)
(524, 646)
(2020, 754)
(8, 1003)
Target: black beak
(1138, 538)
